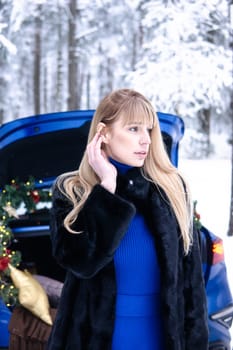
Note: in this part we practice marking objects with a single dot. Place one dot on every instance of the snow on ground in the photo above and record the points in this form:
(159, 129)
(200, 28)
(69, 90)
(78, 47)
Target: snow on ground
(210, 183)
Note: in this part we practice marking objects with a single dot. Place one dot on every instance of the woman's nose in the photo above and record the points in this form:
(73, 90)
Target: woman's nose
(145, 138)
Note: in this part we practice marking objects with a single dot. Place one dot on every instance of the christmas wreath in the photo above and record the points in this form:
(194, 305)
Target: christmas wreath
(16, 197)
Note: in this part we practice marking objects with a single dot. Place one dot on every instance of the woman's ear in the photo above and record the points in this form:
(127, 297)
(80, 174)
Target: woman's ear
(100, 127)
(103, 130)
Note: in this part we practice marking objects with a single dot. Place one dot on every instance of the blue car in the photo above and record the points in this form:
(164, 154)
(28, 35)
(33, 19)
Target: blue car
(45, 146)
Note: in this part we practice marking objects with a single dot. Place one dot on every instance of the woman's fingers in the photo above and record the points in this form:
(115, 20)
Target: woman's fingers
(99, 162)
(94, 148)
(95, 155)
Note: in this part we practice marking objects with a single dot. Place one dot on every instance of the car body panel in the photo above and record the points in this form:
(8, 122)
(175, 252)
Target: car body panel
(219, 297)
(5, 315)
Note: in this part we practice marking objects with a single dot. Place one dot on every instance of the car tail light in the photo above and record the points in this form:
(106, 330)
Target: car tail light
(218, 251)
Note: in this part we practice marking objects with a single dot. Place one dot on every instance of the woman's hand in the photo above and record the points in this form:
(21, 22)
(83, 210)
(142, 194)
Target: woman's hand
(99, 162)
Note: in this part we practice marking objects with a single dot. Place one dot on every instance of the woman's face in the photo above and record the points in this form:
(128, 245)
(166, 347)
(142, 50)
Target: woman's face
(128, 144)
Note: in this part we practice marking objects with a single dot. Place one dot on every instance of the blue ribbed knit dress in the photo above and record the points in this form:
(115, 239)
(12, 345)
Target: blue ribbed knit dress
(138, 315)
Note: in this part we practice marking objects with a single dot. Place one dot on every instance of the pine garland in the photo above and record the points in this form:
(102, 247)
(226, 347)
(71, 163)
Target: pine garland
(196, 217)
(14, 196)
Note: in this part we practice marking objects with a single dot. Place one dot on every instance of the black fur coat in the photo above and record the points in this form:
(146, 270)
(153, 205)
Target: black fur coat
(85, 317)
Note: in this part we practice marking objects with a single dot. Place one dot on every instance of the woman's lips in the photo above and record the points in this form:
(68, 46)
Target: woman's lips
(141, 154)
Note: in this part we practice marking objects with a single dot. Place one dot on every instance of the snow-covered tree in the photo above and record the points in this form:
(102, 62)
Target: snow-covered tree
(186, 63)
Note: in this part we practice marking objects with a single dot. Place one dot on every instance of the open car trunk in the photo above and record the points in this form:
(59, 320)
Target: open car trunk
(45, 146)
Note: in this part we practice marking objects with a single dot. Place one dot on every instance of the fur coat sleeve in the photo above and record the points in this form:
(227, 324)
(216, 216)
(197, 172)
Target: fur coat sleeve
(196, 328)
(99, 231)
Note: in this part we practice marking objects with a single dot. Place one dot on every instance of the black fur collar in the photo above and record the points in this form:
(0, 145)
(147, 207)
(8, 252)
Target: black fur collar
(133, 187)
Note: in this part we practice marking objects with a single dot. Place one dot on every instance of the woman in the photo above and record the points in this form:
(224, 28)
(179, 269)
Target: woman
(122, 228)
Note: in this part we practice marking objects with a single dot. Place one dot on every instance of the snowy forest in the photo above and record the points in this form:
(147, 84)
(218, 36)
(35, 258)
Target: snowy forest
(58, 55)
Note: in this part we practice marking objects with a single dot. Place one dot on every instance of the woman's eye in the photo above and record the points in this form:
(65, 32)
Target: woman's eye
(133, 128)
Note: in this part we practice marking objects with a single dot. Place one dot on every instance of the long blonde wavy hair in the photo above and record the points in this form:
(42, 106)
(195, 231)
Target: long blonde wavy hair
(133, 107)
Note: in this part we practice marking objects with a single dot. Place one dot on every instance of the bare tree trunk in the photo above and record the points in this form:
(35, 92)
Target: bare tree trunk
(204, 127)
(110, 75)
(2, 84)
(137, 43)
(1, 116)
(73, 81)
(137, 36)
(88, 78)
(59, 78)
(106, 70)
(45, 89)
(101, 73)
(80, 72)
(37, 63)
(230, 228)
